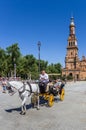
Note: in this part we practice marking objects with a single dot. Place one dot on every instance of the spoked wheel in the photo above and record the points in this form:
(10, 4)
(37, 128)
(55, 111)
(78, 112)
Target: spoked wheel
(51, 100)
(62, 94)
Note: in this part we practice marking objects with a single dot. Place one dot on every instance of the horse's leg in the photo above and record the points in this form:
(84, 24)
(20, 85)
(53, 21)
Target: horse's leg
(21, 110)
(23, 107)
(38, 102)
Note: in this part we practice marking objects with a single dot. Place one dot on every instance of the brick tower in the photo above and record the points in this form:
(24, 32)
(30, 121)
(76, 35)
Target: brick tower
(71, 59)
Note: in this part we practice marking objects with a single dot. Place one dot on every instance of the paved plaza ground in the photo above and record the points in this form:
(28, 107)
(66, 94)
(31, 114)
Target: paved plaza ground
(69, 114)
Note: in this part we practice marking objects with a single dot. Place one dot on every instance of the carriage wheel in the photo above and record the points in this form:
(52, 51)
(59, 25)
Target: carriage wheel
(62, 94)
(51, 100)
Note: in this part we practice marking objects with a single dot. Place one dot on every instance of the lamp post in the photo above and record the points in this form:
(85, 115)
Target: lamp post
(39, 44)
(14, 69)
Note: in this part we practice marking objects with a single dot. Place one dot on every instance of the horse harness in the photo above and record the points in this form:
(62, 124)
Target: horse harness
(29, 85)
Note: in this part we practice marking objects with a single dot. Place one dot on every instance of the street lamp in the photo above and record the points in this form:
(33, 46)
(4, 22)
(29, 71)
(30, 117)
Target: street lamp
(14, 69)
(39, 44)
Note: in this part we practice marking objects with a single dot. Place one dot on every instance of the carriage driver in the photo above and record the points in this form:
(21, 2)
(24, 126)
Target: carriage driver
(44, 79)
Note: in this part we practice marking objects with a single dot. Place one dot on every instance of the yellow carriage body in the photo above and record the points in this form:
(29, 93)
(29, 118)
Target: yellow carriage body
(48, 96)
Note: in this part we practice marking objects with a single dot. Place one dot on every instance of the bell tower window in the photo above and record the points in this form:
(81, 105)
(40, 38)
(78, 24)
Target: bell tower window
(73, 43)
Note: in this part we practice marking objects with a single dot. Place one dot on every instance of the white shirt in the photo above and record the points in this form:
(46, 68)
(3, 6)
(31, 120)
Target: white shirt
(57, 84)
(4, 83)
(44, 77)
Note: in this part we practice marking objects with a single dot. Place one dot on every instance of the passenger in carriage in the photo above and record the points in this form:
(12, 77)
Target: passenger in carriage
(59, 84)
(43, 80)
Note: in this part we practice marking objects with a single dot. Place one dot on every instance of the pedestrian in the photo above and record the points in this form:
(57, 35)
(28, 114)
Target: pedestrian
(4, 83)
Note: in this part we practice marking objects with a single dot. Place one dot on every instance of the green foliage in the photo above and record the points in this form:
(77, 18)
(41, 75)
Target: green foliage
(26, 66)
(3, 62)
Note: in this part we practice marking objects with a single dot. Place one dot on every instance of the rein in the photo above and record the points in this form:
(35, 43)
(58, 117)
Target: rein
(30, 87)
(22, 90)
(26, 89)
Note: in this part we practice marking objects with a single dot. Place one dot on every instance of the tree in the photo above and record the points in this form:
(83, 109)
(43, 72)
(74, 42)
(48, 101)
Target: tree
(26, 66)
(54, 68)
(3, 62)
(30, 66)
(13, 55)
(43, 65)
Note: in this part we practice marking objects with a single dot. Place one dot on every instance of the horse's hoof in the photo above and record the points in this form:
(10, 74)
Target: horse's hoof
(38, 108)
(22, 113)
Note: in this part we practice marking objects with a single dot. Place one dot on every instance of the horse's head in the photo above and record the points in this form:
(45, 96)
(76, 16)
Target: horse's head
(13, 86)
(11, 90)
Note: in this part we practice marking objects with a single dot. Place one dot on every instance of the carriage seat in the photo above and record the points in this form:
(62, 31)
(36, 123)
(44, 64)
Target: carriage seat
(44, 88)
(57, 89)
(49, 85)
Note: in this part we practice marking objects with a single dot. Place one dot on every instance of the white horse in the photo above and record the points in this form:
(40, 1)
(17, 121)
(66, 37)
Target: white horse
(25, 90)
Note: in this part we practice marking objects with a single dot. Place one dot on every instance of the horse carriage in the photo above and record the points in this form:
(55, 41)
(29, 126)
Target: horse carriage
(35, 92)
(49, 93)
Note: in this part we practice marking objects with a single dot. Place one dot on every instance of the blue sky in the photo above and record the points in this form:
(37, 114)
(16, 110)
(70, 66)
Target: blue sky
(28, 21)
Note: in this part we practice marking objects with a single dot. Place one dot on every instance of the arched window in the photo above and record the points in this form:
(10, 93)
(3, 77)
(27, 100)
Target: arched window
(71, 74)
(73, 43)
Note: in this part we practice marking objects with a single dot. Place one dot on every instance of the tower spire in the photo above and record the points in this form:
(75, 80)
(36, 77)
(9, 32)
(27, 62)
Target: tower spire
(72, 21)
(72, 26)
(72, 41)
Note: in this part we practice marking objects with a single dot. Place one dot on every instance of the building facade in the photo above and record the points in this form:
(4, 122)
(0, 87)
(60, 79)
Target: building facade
(74, 67)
